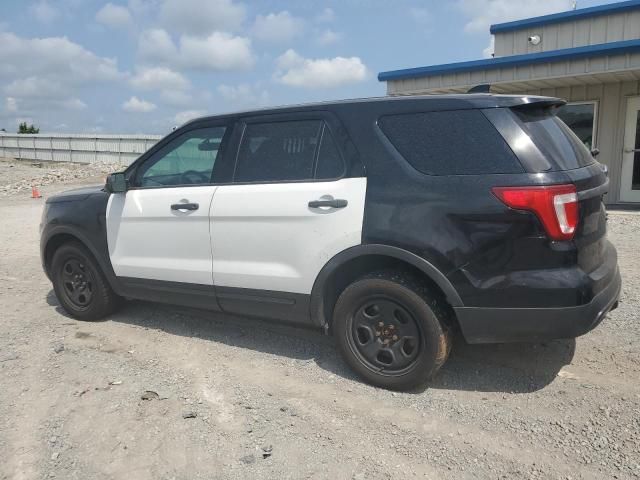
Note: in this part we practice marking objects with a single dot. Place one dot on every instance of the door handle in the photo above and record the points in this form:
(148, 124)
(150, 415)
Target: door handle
(185, 206)
(632, 150)
(336, 203)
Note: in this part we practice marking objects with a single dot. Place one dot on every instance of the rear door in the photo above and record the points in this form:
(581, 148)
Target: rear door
(159, 228)
(295, 202)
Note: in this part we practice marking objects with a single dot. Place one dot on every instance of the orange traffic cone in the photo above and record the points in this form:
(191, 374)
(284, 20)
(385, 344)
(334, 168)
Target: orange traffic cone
(35, 193)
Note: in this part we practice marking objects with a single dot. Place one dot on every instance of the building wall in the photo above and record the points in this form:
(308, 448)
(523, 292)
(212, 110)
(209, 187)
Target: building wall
(611, 117)
(576, 33)
(592, 70)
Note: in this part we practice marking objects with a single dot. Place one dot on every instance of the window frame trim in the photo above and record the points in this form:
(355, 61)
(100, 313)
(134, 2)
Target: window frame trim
(228, 123)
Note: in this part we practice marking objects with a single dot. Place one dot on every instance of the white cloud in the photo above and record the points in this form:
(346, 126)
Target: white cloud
(159, 78)
(277, 27)
(136, 105)
(327, 15)
(184, 117)
(44, 12)
(53, 58)
(37, 87)
(483, 13)
(156, 45)
(43, 75)
(73, 104)
(114, 16)
(216, 52)
(143, 7)
(296, 71)
(329, 37)
(488, 52)
(198, 17)
(11, 104)
(244, 95)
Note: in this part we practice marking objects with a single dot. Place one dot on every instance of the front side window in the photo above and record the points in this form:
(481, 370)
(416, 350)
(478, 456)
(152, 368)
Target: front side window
(278, 151)
(187, 160)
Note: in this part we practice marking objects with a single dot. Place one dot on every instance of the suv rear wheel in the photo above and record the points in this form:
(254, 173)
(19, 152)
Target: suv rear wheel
(391, 330)
(80, 285)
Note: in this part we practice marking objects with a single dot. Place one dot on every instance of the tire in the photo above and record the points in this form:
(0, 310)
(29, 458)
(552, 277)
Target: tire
(80, 285)
(392, 330)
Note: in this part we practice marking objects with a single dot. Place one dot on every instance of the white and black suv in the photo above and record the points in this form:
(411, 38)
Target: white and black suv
(389, 223)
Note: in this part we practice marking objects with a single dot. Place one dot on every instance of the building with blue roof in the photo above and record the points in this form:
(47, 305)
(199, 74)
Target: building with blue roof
(589, 56)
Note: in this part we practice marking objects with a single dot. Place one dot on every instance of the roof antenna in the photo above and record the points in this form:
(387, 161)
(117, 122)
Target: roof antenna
(484, 88)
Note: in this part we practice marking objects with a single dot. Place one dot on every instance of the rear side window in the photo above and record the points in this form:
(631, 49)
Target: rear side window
(561, 147)
(330, 163)
(278, 151)
(460, 142)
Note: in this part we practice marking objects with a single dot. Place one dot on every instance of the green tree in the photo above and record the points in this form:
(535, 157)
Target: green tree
(24, 128)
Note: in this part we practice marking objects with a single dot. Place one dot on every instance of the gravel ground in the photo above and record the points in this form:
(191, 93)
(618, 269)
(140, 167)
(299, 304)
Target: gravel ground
(19, 176)
(157, 392)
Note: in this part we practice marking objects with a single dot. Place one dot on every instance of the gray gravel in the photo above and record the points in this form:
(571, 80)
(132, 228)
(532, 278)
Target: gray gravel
(18, 176)
(267, 401)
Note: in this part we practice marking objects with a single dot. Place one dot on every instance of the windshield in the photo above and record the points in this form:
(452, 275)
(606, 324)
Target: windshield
(554, 138)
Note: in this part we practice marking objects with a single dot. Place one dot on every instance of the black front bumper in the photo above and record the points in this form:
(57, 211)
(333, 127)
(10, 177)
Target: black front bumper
(496, 325)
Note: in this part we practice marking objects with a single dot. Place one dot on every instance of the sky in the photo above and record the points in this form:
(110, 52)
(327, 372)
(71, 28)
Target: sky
(145, 66)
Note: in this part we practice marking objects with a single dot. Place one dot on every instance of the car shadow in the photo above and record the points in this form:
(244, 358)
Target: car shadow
(507, 368)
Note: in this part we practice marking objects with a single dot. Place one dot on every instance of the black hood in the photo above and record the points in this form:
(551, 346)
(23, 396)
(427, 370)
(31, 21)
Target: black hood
(76, 194)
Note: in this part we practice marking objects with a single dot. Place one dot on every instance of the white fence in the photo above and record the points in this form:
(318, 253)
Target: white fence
(122, 149)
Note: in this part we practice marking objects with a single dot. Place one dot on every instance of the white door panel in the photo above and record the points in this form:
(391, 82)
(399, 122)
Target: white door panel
(147, 239)
(265, 236)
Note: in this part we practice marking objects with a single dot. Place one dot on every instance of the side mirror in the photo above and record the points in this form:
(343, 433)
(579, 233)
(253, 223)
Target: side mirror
(116, 183)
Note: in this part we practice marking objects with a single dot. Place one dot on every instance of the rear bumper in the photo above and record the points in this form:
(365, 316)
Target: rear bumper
(496, 325)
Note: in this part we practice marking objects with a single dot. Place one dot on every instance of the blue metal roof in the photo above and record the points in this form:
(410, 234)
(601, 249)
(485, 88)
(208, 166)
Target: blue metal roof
(566, 16)
(612, 48)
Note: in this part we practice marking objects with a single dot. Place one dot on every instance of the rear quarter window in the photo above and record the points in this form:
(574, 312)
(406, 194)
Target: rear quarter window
(557, 142)
(460, 142)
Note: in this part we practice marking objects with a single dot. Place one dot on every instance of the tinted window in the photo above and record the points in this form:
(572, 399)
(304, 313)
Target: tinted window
(580, 118)
(330, 164)
(563, 149)
(461, 142)
(186, 160)
(278, 151)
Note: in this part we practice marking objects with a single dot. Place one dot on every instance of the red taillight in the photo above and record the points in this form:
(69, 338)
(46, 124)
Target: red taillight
(556, 206)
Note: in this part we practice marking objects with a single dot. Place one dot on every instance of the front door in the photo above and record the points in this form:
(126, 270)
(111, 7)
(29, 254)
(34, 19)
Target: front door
(159, 228)
(630, 180)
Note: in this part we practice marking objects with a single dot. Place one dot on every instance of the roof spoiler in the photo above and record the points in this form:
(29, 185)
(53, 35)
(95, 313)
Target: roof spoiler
(540, 102)
(484, 88)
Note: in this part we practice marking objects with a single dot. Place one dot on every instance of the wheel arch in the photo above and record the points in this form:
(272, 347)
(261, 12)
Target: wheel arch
(61, 235)
(349, 264)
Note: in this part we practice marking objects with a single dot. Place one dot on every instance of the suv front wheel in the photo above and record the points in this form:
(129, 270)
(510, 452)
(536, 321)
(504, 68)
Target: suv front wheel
(391, 330)
(80, 285)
